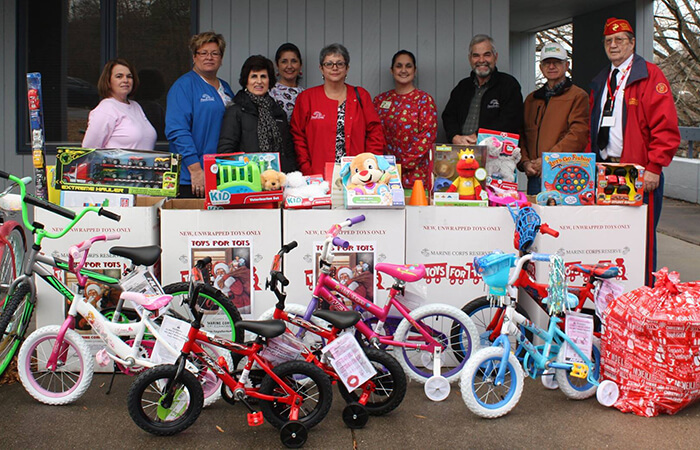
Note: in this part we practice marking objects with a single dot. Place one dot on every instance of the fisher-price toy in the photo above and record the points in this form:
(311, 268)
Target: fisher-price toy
(371, 181)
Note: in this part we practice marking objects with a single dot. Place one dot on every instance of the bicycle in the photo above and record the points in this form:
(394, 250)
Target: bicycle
(55, 365)
(378, 396)
(295, 395)
(21, 298)
(492, 380)
(425, 339)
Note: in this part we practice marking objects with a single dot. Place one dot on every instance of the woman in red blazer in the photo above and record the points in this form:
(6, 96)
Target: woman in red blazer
(334, 119)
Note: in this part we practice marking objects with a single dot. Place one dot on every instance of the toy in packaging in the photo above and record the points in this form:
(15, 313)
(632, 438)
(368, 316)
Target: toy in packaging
(620, 184)
(371, 181)
(503, 153)
(69, 198)
(572, 175)
(650, 346)
(306, 192)
(457, 175)
(118, 171)
(502, 192)
(233, 179)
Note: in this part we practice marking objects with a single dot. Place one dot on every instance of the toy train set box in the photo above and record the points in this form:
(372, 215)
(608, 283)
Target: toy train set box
(568, 178)
(620, 184)
(371, 181)
(235, 179)
(118, 171)
(458, 173)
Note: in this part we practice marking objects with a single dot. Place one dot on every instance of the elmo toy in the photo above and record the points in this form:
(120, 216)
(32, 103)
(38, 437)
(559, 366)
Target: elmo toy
(469, 174)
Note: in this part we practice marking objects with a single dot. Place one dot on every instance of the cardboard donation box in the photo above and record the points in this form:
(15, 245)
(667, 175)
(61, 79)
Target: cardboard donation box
(458, 174)
(251, 179)
(651, 346)
(118, 171)
(620, 184)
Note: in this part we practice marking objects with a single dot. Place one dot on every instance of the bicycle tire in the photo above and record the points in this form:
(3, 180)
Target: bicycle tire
(14, 321)
(459, 345)
(480, 394)
(578, 388)
(12, 253)
(307, 380)
(389, 384)
(481, 312)
(146, 393)
(69, 381)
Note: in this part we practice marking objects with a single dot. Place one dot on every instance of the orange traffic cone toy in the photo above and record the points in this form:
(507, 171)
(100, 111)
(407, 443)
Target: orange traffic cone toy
(418, 197)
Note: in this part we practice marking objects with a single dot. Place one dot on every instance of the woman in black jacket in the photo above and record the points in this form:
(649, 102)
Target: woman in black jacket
(255, 122)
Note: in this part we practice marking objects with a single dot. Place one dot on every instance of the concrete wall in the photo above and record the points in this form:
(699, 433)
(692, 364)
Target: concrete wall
(682, 180)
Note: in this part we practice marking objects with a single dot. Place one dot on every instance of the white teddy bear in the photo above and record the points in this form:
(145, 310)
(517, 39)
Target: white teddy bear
(501, 159)
(298, 186)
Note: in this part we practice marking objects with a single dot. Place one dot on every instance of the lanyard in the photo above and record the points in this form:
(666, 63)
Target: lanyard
(617, 88)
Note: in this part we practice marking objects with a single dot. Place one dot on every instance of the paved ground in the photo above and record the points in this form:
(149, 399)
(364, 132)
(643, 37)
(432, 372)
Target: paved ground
(542, 418)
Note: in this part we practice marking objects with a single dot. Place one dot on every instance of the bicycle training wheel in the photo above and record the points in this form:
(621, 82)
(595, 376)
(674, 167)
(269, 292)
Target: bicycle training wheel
(14, 321)
(450, 327)
(479, 391)
(307, 380)
(147, 398)
(72, 375)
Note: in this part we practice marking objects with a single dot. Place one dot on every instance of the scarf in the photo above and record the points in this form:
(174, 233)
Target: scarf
(269, 136)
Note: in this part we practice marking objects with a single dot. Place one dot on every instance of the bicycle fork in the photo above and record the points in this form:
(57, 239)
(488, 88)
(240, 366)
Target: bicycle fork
(60, 347)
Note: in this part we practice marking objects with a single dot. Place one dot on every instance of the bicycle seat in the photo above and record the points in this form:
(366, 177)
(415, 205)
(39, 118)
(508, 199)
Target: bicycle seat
(151, 303)
(602, 271)
(404, 272)
(264, 328)
(339, 319)
(141, 256)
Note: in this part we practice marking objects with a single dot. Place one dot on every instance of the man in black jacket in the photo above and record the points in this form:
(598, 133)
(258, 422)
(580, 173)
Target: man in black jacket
(487, 99)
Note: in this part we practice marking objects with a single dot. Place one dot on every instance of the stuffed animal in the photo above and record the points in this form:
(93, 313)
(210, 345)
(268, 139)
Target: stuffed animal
(272, 180)
(366, 174)
(501, 159)
(298, 186)
(467, 183)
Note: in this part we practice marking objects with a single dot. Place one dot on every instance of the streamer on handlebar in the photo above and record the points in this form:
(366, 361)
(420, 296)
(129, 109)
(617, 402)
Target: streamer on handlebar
(559, 299)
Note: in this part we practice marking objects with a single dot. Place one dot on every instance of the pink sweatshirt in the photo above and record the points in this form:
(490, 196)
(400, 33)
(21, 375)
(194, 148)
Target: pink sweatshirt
(113, 124)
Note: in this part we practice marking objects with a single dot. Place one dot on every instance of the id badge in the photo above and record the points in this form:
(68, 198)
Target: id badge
(608, 121)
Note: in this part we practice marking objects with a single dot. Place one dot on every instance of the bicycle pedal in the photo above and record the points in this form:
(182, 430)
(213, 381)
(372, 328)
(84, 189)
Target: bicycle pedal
(579, 370)
(255, 419)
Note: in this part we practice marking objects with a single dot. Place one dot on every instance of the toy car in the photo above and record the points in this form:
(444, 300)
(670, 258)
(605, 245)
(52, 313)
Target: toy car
(136, 161)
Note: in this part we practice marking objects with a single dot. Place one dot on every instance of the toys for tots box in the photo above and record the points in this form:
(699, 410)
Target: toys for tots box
(651, 346)
(571, 176)
(620, 184)
(232, 179)
(118, 171)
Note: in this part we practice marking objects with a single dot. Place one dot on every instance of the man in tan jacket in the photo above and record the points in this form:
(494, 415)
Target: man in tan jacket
(556, 116)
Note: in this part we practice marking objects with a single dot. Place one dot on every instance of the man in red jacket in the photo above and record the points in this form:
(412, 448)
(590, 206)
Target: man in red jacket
(634, 120)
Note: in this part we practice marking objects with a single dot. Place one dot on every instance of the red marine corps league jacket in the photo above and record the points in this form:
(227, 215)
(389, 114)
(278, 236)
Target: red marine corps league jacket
(651, 135)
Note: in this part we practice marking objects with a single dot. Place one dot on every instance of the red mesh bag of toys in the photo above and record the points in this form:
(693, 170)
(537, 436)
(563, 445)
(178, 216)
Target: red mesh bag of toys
(651, 346)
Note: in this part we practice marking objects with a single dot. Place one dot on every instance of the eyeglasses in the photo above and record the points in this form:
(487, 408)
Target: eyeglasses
(618, 40)
(212, 54)
(338, 64)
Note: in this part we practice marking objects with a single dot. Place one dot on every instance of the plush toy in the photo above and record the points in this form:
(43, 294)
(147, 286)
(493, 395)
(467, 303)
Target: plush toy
(501, 159)
(367, 174)
(469, 173)
(298, 186)
(272, 180)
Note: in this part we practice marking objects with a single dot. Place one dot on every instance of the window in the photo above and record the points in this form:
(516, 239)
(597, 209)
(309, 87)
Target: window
(68, 42)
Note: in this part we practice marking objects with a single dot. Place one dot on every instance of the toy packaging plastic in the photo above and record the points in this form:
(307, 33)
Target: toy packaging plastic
(503, 153)
(70, 198)
(118, 171)
(650, 346)
(572, 175)
(371, 181)
(233, 179)
(620, 184)
(458, 174)
(306, 192)
(502, 192)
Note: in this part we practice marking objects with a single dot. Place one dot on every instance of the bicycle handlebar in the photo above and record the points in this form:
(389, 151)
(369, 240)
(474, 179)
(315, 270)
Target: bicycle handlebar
(356, 219)
(546, 229)
(61, 211)
(109, 214)
(341, 243)
(79, 253)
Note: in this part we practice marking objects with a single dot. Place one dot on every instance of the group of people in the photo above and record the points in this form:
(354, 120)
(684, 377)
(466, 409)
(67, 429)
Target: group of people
(629, 115)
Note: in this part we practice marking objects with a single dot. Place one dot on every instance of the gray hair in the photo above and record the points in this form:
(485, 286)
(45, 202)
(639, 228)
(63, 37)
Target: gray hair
(479, 38)
(335, 49)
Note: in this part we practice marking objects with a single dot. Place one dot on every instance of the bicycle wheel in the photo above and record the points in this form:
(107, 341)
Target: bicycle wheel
(307, 380)
(69, 380)
(574, 387)
(14, 321)
(479, 392)
(146, 395)
(11, 258)
(459, 341)
(481, 312)
(388, 385)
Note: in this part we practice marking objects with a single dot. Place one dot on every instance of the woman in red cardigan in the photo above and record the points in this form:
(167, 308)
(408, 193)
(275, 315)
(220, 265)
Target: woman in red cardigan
(335, 119)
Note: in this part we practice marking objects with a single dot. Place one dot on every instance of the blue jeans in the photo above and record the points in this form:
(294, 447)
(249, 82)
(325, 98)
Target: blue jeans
(655, 201)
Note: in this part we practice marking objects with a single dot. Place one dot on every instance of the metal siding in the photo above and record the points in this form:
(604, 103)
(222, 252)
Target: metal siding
(481, 19)
(370, 53)
(278, 26)
(425, 53)
(259, 30)
(296, 34)
(408, 23)
(353, 38)
(500, 24)
(315, 13)
(238, 16)
(334, 21)
(445, 44)
(463, 34)
(389, 43)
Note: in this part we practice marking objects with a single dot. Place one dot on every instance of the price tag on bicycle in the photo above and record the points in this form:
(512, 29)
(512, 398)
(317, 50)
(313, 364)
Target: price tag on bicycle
(349, 361)
(174, 332)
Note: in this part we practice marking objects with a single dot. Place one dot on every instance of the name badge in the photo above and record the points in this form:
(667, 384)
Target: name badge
(608, 121)
(386, 104)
